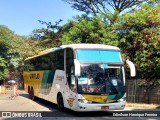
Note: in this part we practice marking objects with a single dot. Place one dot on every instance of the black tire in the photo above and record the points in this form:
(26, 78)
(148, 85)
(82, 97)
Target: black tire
(60, 103)
(31, 94)
(29, 89)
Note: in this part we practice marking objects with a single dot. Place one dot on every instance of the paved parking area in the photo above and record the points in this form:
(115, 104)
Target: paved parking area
(19, 103)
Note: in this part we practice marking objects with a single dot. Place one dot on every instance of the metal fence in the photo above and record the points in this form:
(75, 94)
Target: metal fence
(137, 94)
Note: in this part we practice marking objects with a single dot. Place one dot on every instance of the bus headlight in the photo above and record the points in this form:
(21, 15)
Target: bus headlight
(84, 101)
(122, 99)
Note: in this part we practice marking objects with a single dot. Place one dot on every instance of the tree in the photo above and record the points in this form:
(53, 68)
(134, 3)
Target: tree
(141, 42)
(4, 40)
(89, 30)
(5, 34)
(102, 6)
(3, 68)
(21, 48)
(48, 36)
(13, 50)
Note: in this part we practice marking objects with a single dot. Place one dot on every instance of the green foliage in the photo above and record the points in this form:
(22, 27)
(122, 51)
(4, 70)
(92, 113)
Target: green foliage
(3, 68)
(90, 31)
(48, 36)
(141, 41)
(27, 47)
(13, 50)
(5, 36)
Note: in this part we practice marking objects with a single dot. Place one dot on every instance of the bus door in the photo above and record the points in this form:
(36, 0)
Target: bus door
(70, 89)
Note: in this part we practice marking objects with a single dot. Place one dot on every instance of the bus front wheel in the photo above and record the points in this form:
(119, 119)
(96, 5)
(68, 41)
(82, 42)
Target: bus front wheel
(60, 103)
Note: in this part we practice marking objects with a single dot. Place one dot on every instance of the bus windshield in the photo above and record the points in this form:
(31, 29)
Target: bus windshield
(101, 79)
(98, 55)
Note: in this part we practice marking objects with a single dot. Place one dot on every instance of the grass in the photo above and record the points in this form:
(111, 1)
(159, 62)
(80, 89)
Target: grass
(142, 105)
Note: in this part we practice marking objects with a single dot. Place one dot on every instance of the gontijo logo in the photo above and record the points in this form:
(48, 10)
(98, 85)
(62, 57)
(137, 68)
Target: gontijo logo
(34, 76)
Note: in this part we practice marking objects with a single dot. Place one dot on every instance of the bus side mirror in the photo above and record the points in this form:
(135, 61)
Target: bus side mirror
(132, 68)
(77, 67)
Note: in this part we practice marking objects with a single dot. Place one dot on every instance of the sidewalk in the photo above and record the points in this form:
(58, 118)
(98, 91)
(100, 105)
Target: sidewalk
(19, 103)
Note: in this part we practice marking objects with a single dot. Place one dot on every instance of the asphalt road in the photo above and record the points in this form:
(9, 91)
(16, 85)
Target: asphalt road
(22, 106)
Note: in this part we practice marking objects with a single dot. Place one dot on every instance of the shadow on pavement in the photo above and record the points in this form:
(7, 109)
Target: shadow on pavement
(24, 95)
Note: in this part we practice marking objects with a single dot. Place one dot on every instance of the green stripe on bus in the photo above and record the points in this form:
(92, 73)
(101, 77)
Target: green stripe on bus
(47, 81)
(115, 97)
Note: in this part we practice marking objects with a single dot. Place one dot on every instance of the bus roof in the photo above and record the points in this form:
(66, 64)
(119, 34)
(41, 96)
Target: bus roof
(41, 53)
(76, 46)
(90, 46)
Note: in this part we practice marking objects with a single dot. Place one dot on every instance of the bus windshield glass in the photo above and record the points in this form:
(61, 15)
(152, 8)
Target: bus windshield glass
(101, 79)
(98, 55)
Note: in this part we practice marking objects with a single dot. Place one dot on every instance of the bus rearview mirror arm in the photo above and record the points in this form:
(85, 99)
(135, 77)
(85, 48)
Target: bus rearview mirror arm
(132, 68)
(77, 67)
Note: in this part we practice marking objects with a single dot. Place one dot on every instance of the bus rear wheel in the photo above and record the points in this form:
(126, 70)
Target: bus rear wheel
(60, 103)
(31, 94)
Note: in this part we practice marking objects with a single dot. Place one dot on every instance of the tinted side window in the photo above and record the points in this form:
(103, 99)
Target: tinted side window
(45, 62)
(51, 61)
(59, 59)
(69, 59)
(39, 63)
(70, 68)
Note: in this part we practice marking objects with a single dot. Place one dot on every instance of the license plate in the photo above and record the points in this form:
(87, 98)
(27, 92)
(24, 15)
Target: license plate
(105, 108)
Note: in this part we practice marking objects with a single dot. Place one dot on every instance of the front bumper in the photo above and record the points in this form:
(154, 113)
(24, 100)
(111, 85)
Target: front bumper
(100, 107)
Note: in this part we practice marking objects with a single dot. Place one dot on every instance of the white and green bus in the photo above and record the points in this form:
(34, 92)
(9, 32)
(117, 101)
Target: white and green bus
(80, 77)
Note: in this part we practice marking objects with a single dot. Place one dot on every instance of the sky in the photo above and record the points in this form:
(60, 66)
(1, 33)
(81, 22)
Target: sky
(21, 16)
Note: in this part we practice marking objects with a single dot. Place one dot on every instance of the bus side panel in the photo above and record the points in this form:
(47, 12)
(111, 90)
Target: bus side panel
(47, 84)
(52, 84)
(59, 85)
(47, 81)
